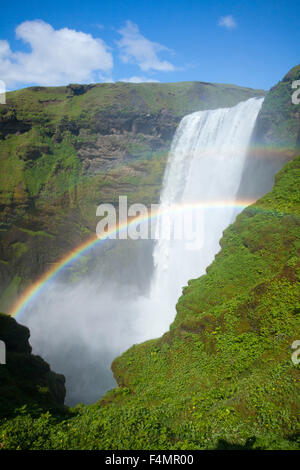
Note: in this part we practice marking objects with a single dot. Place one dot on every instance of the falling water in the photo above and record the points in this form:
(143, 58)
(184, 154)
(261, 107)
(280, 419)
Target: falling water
(204, 171)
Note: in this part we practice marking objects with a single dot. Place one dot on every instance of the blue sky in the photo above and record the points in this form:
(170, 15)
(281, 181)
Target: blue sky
(57, 42)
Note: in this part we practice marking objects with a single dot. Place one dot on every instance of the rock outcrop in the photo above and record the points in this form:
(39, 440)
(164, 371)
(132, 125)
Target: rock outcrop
(26, 379)
(275, 140)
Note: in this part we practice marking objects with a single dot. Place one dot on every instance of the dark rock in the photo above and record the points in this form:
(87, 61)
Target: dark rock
(26, 379)
(10, 125)
(32, 152)
(77, 89)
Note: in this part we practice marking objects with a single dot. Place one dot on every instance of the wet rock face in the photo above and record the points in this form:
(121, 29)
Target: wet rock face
(103, 154)
(26, 378)
(276, 138)
(161, 124)
(119, 139)
(278, 123)
(15, 336)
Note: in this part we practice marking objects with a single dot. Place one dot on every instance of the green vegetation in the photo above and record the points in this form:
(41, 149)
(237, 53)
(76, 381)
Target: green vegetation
(222, 377)
(50, 104)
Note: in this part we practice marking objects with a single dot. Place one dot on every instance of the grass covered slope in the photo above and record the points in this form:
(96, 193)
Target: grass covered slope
(65, 150)
(222, 377)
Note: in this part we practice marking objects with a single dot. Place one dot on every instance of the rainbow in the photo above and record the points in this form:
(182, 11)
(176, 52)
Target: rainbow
(32, 292)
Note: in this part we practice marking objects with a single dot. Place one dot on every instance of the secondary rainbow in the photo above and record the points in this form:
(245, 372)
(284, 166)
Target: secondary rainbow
(36, 288)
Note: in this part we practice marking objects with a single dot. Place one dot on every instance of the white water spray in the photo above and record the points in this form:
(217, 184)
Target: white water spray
(204, 170)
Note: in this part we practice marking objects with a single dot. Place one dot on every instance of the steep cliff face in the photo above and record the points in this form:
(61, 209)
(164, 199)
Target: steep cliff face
(65, 150)
(26, 379)
(278, 124)
(276, 137)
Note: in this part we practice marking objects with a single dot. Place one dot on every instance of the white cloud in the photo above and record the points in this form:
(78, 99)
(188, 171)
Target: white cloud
(57, 57)
(138, 80)
(135, 48)
(228, 22)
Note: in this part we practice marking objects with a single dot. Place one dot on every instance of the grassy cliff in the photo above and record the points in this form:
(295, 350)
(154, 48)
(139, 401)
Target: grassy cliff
(278, 124)
(276, 137)
(222, 377)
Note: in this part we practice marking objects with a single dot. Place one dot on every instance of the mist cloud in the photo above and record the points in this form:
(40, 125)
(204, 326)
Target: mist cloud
(227, 22)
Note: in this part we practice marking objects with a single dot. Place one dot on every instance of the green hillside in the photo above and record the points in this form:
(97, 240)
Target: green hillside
(222, 377)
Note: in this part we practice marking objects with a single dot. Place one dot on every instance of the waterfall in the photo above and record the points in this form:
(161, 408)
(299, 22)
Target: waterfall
(204, 171)
(80, 328)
